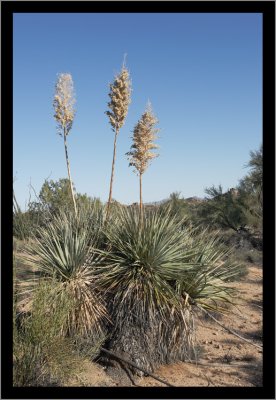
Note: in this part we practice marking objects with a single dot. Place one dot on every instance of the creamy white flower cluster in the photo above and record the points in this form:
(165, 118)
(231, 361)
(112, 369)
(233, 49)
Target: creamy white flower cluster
(119, 95)
(64, 101)
(144, 134)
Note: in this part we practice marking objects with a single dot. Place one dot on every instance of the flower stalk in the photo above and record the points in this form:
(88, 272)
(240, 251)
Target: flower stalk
(64, 101)
(141, 154)
(119, 94)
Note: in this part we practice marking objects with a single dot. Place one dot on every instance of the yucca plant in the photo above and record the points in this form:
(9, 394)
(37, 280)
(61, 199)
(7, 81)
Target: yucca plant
(141, 154)
(64, 101)
(206, 284)
(64, 250)
(119, 94)
(149, 275)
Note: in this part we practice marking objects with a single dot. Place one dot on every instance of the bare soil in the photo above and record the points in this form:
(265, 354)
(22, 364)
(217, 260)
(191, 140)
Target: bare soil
(227, 359)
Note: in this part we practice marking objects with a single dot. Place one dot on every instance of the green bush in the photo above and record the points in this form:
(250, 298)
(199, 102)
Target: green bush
(43, 356)
(65, 250)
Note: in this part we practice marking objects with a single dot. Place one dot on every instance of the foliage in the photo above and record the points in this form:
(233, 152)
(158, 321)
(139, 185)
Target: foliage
(251, 189)
(178, 206)
(42, 356)
(239, 208)
(153, 273)
(24, 223)
(65, 250)
(205, 282)
(254, 179)
(222, 210)
(55, 196)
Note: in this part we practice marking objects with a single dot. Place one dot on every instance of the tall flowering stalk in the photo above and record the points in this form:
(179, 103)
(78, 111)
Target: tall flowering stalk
(119, 95)
(140, 155)
(64, 101)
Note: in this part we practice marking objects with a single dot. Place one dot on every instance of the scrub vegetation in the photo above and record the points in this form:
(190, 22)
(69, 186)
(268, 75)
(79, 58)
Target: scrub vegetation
(91, 275)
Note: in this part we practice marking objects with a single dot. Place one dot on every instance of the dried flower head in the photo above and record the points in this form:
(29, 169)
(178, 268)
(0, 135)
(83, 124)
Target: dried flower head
(144, 134)
(64, 101)
(119, 95)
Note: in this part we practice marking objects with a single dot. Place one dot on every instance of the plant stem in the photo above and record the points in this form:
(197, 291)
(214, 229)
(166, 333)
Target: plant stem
(17, 208)
(112, 173)
(68, 169)
(228, 329)
(141, 202)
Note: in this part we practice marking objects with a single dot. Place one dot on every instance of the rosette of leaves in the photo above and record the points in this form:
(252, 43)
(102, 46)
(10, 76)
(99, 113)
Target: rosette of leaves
(152, 275)
(64, 250)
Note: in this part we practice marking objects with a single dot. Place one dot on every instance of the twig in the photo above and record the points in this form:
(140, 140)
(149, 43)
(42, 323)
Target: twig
(135, 366)
(33, 189)
(228, 329)
(218, 365)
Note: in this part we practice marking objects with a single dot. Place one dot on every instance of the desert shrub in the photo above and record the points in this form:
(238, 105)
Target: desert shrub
(251, 189)
(178, 206)
(20, 226)
(246, 248)
(222, 210)
(152, 273)
(24, 224)
(248, 256)
(65, 250)
(43, 356)
(55, 196)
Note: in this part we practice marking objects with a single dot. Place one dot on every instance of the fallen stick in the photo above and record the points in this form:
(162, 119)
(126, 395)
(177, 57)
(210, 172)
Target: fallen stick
(218, 365)
(228, 329)
(135, 366)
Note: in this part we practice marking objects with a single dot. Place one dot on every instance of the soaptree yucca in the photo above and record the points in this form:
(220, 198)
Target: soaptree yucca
(206, 284)
(141, 154)
(64, 251)
(64, 101)
(152, 274)
(119, 102)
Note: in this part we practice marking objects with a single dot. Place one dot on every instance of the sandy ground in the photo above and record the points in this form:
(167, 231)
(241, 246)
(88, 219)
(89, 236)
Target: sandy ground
(228, 360)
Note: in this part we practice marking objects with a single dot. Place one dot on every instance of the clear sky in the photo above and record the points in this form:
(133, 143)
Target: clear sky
(201, 72)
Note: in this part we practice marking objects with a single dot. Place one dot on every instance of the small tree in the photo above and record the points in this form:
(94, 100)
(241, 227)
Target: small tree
(223, 210)
(144, 134)
(55, 196)
(64, 101)
(119, 95)
(251, 189)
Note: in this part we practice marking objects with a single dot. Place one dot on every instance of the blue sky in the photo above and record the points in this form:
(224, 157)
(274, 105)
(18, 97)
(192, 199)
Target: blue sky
(201, 72)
